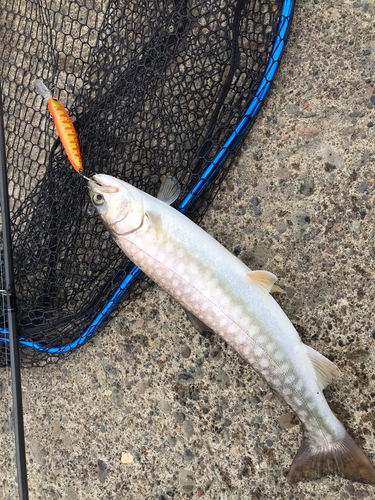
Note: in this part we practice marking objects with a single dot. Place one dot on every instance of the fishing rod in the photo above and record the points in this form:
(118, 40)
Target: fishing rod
(10, 299)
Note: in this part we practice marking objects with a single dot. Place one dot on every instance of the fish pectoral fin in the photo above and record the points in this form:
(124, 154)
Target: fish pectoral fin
(264, 280)
(156, 223)
(325, 370)
(169, 190)
(197, 323)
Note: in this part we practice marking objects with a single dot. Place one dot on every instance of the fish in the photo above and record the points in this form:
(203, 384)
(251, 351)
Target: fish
(221, 294)
(64, 126)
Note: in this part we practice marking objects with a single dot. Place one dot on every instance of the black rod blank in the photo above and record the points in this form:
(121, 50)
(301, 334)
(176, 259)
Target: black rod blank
(12, 319)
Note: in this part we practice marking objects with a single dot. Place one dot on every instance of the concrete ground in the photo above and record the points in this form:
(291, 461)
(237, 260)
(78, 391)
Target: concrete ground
(150, 409)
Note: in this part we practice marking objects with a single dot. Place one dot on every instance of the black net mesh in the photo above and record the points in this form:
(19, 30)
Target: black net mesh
(153, 87)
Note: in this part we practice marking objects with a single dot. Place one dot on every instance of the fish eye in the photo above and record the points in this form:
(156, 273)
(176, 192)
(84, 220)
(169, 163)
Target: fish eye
(98, 199)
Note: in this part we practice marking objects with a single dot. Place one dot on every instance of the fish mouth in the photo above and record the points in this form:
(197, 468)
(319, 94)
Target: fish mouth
(97, 185)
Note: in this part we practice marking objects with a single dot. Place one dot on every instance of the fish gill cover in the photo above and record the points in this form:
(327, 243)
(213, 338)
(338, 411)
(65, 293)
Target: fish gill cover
(153, 87)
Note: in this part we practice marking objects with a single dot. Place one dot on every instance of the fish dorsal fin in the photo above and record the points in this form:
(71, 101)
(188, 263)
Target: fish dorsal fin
(264, 280)
(325, 370)
(156, 223)
(169, 190)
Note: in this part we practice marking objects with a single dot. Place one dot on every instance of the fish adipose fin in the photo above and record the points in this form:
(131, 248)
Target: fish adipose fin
(197, 323)
(169, 190)
(263, 280)
(344, 458)
(325, 370)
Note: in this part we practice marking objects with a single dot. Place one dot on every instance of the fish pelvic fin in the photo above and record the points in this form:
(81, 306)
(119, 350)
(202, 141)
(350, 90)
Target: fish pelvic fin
(344, 458)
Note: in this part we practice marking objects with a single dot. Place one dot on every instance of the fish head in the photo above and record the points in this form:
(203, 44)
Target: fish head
(118, 203)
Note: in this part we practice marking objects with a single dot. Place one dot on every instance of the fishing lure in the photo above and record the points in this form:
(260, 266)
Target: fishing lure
(64, 126)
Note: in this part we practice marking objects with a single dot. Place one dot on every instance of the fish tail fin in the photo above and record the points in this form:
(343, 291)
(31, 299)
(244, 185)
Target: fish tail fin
(344, 458)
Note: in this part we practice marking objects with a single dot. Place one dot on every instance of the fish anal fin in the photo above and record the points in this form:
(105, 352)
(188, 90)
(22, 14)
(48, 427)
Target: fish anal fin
(197, 323)
(264, 280)
(156, 223)
(276, 288)
(325, 370)
(344, 458)
(169, 190)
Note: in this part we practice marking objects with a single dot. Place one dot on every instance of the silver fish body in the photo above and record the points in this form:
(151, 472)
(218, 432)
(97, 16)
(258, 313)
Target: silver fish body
(220, 290)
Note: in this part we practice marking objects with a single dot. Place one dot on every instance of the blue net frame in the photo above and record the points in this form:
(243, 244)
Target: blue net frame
(200, 180)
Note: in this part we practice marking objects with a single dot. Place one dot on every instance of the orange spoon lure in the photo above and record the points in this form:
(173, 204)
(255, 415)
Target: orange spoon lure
(64, 126)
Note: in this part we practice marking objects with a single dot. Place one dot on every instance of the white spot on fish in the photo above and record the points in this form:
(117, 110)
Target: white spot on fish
(231, 329)
(175, 282)
(290, 379)
(254, 330)
(236, 312)
(170, 263)
(271, 347)
(278, 356)
(180, 253)
(241, 339)
(199, 284)
(193, 269)
(225, 301)
(264, 363)
(299, 385)
(215, 294)
(284, 367)
(261, 339)
(148, 236)
(223, 321)
(258, 351)
(180, 268)
(161, 256)
(245, 349)
(169, 247)
(303, 413)
(245, 322)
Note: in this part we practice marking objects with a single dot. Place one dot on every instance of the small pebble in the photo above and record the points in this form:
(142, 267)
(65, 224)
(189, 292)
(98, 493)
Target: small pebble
(186, 481)
(308, 132)
(332, 159)
(102, 471)
(185, 378)
(179, 417)
(362, 188)
(288, 420)
(126, 458)
(358, 356)
(185, 351)
(292, 109)
(187, 428)
(222, 379)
